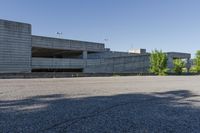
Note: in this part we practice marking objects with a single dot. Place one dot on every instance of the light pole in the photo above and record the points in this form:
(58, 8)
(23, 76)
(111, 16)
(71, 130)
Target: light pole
(59, 34)
(106, 40)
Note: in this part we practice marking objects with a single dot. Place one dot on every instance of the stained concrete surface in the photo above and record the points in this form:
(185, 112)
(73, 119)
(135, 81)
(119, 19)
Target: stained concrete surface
(103, 104)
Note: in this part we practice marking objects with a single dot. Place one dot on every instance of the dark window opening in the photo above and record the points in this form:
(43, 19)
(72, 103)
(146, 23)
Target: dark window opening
(55, 53)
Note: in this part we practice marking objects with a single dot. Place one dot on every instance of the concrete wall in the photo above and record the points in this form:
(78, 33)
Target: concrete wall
(108, 54)
(55, 43)
(177, 55)
(15, 47)
(53, 63)
(131, 64)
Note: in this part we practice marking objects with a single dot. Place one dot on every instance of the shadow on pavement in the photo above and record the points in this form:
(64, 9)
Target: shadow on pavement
(173, 111)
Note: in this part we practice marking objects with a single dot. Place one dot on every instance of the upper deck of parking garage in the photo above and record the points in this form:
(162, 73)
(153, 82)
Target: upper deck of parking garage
(66, 44)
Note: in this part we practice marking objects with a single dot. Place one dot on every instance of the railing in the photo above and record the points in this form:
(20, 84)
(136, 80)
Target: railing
(57, 63)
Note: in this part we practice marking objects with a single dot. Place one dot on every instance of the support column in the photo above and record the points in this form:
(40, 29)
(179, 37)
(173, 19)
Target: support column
(85, 55)
(170, 64)
(85, 58)
(188, 64)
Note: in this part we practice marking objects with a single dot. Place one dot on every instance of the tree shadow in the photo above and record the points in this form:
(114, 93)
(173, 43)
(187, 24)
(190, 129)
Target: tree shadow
(172, 111)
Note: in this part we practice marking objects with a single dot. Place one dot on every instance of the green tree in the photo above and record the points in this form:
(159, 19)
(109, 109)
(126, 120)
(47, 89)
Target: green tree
(158, 62)
(196, 66)
(178, 66)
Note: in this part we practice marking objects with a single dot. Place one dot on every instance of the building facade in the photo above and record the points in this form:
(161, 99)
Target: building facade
(22, 52)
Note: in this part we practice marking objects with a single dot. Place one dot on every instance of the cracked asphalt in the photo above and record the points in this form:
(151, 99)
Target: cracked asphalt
(135, 104)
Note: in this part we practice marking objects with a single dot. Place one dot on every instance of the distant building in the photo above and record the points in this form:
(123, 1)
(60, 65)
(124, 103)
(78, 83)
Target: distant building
(22, 52)
(137, 51)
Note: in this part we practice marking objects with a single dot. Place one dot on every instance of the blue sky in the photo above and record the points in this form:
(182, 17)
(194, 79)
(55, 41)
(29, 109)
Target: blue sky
(170, 25)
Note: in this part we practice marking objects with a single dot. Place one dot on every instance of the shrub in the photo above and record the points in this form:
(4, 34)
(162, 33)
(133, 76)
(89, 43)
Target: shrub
(196, 66)
(178, 66)
(158, 62)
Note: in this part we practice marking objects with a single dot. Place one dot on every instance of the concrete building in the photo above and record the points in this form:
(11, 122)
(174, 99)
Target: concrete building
(177, 55)
(22, 52)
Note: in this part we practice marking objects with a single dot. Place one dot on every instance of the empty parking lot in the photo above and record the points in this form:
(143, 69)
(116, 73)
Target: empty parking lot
(101, 104)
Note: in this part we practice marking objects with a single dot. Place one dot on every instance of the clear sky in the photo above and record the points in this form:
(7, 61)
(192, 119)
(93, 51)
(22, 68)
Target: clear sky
(170, 25)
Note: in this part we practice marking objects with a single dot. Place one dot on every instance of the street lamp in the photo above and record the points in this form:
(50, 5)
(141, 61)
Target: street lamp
(59, 34)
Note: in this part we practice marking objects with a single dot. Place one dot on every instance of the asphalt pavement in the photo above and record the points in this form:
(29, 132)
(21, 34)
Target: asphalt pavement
(135, 104)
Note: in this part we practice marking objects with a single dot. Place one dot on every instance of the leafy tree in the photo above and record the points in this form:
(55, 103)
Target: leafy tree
(178, 66)
(158, 62)
(197, 62)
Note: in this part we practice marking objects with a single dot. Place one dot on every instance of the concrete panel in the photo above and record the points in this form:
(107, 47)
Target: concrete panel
(15, 47)
(131, 64)
(55, 43)
(57, 63)
(108, 54)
